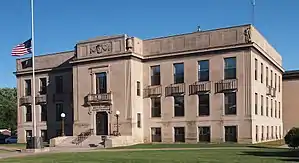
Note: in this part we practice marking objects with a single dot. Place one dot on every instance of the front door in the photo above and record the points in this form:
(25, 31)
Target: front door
(102, 123)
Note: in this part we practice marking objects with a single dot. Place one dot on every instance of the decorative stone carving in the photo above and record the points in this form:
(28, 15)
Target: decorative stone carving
(101, 108)
(101, 48)
(247, 34)
(129, 44)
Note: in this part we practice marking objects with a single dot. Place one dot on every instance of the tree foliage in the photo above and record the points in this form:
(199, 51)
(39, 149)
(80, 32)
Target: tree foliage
(8, 108)
(292, 138)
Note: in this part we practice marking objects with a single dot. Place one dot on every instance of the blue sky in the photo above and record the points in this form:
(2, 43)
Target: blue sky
(59, 24)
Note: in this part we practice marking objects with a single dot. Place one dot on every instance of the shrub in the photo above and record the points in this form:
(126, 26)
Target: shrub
(292, 138)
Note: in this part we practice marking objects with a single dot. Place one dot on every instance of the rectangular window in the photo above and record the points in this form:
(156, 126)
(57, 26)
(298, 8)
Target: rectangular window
(43, 86)
(262, 72)
(230, 133)
(204, 134)
(262, 105)
(179, 110)
(256, 133)
(43, 112)
(279, 83)
(276, 132)
(267, 106)
(138, 88)
(156, 134)
(44, 135)
(271, 78)
(28, 113)
(28, 87)
(230, 71)
(155, 75)
(271, 108)
(138, 120)
(203, 70)
(275, 81)
(268, 133)
(101, 83)
(279, 112)
(230, 101)
(204, 105)
(59, 110)
(262, 137)
(280, 132)
(156, 106)
(28, 133)
(255, 106)
(255, 69)
(267, 76)
(178, 73)
(59, 84)
(272, 132)
(275, 109)
(179, 134)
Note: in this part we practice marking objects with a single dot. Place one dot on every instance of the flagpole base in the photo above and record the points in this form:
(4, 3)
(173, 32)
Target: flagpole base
(34, 143)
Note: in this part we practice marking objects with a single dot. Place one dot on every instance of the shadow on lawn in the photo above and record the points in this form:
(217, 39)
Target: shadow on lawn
(284, 155)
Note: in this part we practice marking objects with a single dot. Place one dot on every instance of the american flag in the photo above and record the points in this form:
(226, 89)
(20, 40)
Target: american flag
(22, 49)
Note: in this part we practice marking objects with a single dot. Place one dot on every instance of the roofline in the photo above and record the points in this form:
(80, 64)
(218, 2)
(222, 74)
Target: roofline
(291, 74)
(42, 55)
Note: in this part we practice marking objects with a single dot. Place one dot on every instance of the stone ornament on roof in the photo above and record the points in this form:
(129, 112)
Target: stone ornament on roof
(247, 34)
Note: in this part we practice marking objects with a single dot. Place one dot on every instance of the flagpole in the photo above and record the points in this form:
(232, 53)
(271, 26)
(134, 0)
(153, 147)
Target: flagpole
(33, 70)
(253, 11)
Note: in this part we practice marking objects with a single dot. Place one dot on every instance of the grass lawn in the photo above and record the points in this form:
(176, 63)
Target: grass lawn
(20, 146)
(246, 155)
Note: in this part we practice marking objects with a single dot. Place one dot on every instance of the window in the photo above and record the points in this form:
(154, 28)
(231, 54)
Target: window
(203, 70)
(279, 110)
(255, 69)
(267, 106)
(230, 68)
(280, 132)
(230, 133)
(28, 87)
(271, 78)
(275, 109)
(268, 133)
(138, 88)
(204, 105)
(28, 133)
(28, 113)
(26, 63)
(230, 103)
(276, 132)
(178, 73)
(156, 134)
(262, 105)
(262, 72)
(43, 86)
(275, 81)
(267, 76)
(179, 109)
(255, 106)
(44, 135)
(155, 76)
(262, 137)
(272, 132)
(156, 106)
(279, 83)
(204, 134)
(59, 110)
(139, 120)
(101, 83)
(256, 133)
(179, 134)
(271, 108)
(59, 84)
(43, 112)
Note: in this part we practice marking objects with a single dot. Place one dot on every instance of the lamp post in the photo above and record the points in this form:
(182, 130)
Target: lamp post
(117, 113)
(62, 115)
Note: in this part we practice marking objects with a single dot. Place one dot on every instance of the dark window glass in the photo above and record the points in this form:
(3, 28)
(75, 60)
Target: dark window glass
(230, 103)
(204, 105)
(230, 68)
(44, 112)
(139, 120)
(262, 105)
(44, 135)
(101, 81)
(28, 133)
(156, 134)
(178, 73)
(155, 76)
(156, 107)
(28, 113)
(255, 105)
(43, 86)
(255, 69)
(262, 72)
(179, 134)
(138, 88)
(203, 71)
(179, 109)
(267, 76)
(204, 134)
(230, 133)
(267, 106)
(28, 87)
(59, 84)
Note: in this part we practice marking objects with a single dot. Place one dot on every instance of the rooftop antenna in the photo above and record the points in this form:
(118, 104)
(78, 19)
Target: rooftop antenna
(253, 11)
(198, 28)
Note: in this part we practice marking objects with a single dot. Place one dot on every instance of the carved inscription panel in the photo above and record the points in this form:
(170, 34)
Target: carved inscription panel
(101, 48)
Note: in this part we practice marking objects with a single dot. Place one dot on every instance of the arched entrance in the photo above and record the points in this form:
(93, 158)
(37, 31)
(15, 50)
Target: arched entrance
(102, 123)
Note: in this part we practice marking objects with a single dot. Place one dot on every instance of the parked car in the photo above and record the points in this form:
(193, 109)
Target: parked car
(11, 140)
(2, 138)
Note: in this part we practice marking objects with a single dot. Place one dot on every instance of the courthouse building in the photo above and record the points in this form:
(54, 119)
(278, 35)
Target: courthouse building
(221, 85)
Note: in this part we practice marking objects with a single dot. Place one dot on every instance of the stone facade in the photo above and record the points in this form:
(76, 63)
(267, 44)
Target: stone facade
(127, 63)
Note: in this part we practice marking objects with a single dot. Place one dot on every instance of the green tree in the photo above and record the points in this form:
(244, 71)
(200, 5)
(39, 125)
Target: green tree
(8, 108)
(292, 138)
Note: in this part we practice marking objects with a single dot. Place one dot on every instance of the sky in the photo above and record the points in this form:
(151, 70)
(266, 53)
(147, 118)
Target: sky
(60, 24)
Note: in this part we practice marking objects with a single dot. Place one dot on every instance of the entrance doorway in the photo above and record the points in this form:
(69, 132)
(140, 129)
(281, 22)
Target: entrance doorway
(102, 123)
